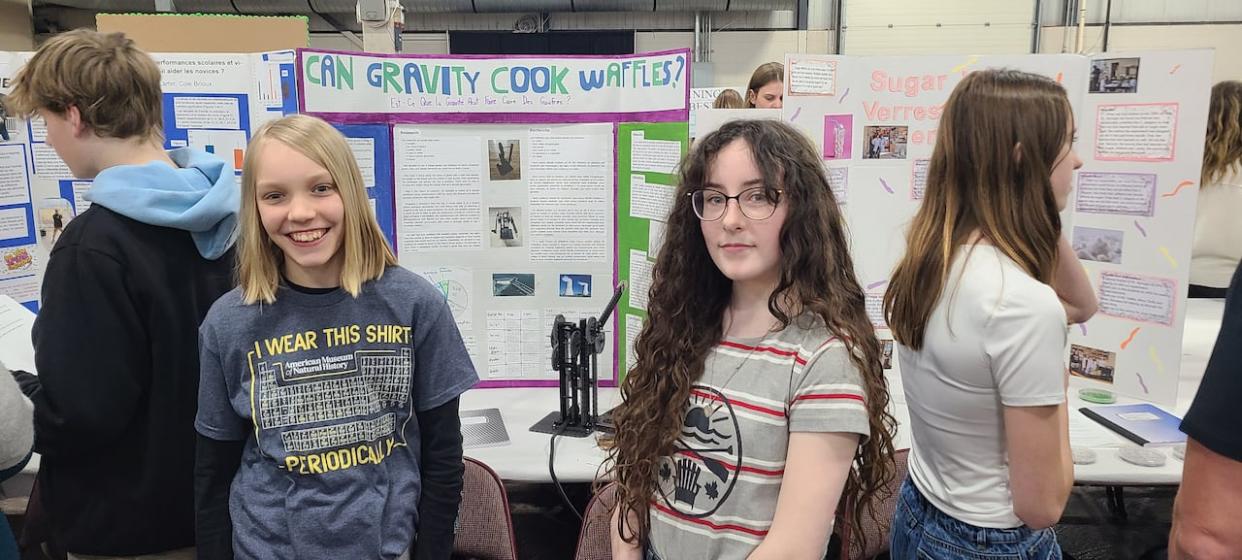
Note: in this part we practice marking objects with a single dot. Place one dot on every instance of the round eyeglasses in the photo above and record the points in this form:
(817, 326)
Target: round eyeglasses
(758, 203)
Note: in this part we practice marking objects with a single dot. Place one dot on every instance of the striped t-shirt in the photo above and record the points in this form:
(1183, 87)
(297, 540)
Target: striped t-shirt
(717, 493)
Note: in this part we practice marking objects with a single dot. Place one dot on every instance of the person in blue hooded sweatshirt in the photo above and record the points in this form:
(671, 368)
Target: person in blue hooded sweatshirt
(127, 284)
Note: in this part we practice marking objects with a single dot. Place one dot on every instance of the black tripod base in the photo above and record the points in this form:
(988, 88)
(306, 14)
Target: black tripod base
(552, 424)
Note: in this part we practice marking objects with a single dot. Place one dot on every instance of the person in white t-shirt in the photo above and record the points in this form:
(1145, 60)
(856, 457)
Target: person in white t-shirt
(1217, 247)
(979, 306)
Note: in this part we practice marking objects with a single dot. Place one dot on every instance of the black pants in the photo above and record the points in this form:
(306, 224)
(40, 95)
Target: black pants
(1197, 291)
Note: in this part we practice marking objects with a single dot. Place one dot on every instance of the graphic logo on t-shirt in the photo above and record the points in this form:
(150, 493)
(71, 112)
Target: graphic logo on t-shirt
(332, 411)
(703, 469)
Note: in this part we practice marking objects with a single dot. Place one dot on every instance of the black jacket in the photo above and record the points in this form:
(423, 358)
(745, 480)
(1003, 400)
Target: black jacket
(116, 346)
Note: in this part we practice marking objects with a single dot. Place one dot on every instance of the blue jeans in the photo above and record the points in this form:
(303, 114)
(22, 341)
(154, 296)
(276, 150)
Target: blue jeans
(922, 532)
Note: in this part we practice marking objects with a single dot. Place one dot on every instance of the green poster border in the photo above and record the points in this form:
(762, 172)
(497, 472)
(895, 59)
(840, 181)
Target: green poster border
(633, 233)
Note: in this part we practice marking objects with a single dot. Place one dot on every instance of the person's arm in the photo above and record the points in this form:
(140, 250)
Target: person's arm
(622, 550)
(1208, 506)
(1041, 469)
(16, 423)
(91, 351)
(1072, 285)
(442, 372)
(215, 464)
(222, 436)
(1025, 342)
(816, 466)
(441, 470)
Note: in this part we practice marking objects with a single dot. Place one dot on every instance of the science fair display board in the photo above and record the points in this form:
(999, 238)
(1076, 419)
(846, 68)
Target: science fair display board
(1140, 119)
(210, 101)
(506, 172)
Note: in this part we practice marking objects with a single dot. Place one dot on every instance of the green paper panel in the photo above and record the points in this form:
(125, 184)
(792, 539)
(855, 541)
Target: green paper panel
(633, 233)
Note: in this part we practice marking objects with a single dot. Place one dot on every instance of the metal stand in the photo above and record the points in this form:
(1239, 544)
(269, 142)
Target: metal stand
(575, 356)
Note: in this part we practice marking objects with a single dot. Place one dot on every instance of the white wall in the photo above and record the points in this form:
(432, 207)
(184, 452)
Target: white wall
(940, 27)
(16, 28)
(1224, 38)
(735, 54)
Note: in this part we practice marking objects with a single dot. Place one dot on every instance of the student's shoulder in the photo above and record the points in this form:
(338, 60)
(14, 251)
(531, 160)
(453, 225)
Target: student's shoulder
(399, 282)
(228, 310)
(994, 282)
(810, 337)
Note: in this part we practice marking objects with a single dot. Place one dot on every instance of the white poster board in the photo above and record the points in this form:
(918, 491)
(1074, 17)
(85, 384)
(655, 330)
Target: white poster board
(1140, 137)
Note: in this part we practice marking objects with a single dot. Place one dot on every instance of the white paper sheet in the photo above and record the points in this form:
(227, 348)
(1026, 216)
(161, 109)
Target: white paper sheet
(16, 322)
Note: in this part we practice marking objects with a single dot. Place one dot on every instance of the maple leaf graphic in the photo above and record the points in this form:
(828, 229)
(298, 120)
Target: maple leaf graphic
(711, 490)
(665, 472)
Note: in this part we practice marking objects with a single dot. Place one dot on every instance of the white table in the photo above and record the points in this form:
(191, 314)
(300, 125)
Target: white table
(525, 458)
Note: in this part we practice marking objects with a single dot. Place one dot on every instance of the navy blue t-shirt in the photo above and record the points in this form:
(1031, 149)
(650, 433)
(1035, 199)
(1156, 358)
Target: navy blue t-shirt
(324, 388)
(1214, 417)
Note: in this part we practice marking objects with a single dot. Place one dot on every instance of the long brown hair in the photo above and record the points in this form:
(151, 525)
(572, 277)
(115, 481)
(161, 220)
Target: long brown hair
(765, 74)
(688, 298)
(999, 138)
(1222, 149)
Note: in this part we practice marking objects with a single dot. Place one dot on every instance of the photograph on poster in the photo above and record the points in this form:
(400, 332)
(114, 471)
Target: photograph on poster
(1140, 298)
(1130, 194)
(918, 178)
(838, 136)
(504, 160)
(575, 285)
(885, 142)
(51, 217)
(886, 354)
(1114, 75)
(1136, 132)
(1092, 363)
(6, 122)
(509, 284)
(503, 223)
(1099, 245)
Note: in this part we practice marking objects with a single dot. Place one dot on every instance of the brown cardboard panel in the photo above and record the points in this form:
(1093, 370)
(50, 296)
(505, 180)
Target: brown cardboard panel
(205, 33)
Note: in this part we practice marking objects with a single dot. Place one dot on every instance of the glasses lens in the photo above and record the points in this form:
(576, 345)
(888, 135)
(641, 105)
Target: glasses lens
(758, 203)
(708, 204)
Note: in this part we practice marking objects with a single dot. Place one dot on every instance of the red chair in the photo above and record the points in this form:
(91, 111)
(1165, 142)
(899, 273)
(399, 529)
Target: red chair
(595, 539)
(484, 529)
(877, 532)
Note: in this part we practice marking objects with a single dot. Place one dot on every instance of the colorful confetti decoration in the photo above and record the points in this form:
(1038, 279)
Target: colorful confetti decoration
(1060, 76)
(1083, 328)
(886, 187)
(875, 285)
(1175, 68)
(795, 115)
(1177, 189)
(1168, 256)
(1155, 358)
(1130, 338)
(973, 59)
(1140, 228)
(1142, 383)
(844, 95)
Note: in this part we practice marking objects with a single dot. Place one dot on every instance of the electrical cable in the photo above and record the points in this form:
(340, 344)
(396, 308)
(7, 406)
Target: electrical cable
(552, 471)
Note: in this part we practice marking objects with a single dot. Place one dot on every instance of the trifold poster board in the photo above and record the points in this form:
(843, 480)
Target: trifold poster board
(210, 101)
(511, 180)
(1140, 119)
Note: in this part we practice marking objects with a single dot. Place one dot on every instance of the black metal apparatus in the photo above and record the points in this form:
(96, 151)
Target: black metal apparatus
(575, 356)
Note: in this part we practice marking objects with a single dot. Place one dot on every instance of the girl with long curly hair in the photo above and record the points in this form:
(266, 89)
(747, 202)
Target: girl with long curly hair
(979, 306)
(757, 402)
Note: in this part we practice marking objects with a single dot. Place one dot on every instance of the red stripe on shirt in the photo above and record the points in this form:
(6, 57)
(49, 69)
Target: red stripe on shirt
(709, 524)
(735, 402)
(828, 396)
(731, 467)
